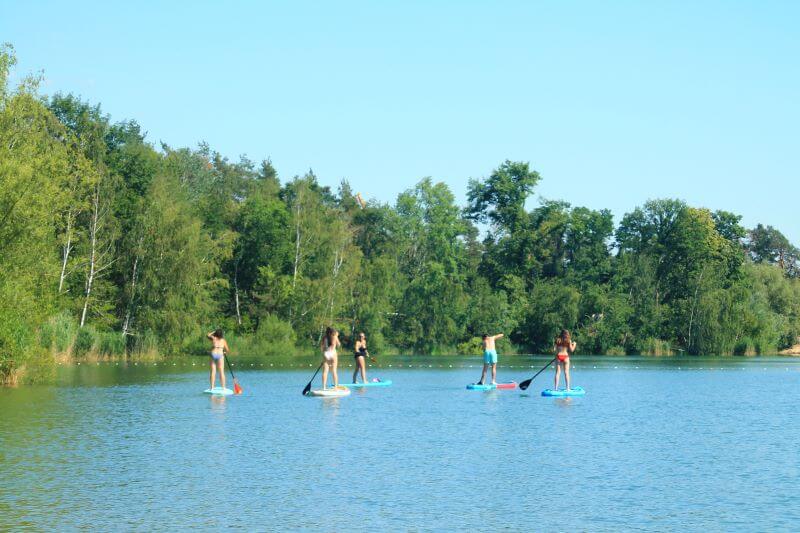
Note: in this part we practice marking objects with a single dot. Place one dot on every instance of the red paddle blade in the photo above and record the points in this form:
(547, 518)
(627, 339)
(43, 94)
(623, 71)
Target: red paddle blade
(236, 388)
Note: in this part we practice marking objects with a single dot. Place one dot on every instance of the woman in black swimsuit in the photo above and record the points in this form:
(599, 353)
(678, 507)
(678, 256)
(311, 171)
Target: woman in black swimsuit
(360, 353)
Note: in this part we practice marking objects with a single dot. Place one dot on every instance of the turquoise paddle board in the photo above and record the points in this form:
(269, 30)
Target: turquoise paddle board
(381, 383)
(577, 391)
(218, 391)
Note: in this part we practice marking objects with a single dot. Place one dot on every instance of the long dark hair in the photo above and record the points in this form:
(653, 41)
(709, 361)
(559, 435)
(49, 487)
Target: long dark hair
(218, 333)
(563, 339)
(329, 333)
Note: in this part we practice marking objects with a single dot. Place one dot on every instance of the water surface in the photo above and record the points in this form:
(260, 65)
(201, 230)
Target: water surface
(655, 444)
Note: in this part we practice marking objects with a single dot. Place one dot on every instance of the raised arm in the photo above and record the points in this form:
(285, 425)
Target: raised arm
(498, 336)
(210, 335)
(572, 346)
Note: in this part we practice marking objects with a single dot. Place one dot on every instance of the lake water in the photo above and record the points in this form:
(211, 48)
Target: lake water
(702, 444)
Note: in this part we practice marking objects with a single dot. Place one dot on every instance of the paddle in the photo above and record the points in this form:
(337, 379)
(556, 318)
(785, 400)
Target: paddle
(308, 387)
(236, 388)
(527, 383)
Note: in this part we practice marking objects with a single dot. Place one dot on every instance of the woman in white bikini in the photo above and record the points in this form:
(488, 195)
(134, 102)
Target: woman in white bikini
(330, 359)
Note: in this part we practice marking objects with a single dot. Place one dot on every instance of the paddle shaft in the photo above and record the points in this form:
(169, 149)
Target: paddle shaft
(308, 387)
(230, 368)
(525, 384)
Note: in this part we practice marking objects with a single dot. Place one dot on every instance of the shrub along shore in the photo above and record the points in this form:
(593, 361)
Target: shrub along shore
(116, 247)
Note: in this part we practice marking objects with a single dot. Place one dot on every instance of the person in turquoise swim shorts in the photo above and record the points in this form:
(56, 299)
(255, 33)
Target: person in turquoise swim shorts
(490, 356)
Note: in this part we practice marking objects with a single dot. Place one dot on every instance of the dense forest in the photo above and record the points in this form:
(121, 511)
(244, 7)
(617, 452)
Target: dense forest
(114, 246)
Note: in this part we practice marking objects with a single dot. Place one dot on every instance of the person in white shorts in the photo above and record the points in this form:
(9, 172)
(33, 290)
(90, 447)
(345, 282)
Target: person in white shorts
(330, 359)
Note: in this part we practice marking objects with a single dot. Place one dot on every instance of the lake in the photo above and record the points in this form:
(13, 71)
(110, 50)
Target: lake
(656, 444)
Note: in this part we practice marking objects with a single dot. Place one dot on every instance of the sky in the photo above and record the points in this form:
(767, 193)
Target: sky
(613, 103)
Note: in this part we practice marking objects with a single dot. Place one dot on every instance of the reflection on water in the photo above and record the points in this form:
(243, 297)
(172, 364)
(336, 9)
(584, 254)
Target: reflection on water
(563, 402)
(653, 445)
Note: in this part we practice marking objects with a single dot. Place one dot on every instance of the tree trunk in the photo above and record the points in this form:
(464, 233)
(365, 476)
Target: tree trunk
(236, 292)
(66, 249)
(296, 243)
(694, 306)
(92, 253)
(126, 324)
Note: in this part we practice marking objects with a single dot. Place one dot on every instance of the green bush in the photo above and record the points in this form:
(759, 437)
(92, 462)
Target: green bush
(275, 336)
(655, 347)
(110, 343)
(85, 341)
(59, 332)
(473, 346)
(146, 343)
(744, 347)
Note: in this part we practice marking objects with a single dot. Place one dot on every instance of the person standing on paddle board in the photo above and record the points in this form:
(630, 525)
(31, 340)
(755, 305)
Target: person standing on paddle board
(360, 353)
(330, 359)
(564, 346)
(219, 347)
(490, 356)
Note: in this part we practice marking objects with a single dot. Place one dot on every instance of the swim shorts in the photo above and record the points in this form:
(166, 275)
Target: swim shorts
(490, 357)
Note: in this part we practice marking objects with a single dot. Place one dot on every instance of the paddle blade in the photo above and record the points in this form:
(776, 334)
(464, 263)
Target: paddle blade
(525, 384)
(307, 389)
(237, 389)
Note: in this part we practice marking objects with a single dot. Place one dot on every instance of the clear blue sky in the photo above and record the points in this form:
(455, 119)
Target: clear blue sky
(613, 103)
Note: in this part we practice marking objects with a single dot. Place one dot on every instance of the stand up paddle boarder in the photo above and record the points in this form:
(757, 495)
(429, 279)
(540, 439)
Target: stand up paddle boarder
(330, 359)
(490, 356)
(360, 354)
(219, 347)
(564, 346)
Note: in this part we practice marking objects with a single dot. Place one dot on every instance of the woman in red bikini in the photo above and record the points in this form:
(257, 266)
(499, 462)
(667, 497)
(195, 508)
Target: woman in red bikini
(563, 347)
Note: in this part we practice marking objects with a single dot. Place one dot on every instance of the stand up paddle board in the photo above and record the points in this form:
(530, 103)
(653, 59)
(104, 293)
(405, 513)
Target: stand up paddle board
(489, 386)
(577, 391)
(330, 393)
(219, 391)
(378, 383)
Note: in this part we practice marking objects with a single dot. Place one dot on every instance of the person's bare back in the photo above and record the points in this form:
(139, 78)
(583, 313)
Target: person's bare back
(489, 356)
(488, 341)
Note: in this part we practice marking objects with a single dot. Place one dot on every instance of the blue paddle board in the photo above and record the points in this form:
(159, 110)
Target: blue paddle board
(381, 383)
(218, 391)
(560, 393)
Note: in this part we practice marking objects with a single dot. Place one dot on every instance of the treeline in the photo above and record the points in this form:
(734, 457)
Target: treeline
(112, 246)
